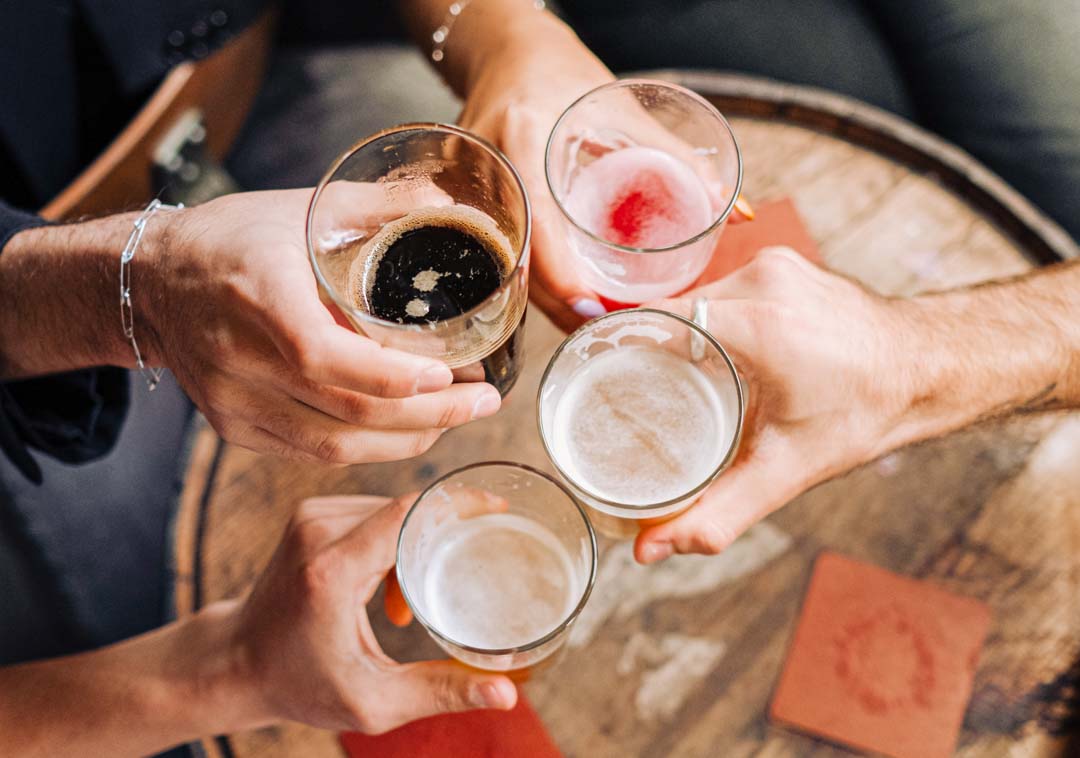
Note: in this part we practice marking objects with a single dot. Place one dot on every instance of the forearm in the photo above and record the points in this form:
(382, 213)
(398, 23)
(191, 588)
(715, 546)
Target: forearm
(997, 348)
(484, 30)
(134, 698)
(60, 290)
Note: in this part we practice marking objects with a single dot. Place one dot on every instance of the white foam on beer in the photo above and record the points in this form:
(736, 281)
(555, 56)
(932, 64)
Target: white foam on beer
(663, 199)
(499, 581)
(639, 426)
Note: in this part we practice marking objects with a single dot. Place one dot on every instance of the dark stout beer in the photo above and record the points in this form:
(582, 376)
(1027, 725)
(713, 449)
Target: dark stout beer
(437, 264)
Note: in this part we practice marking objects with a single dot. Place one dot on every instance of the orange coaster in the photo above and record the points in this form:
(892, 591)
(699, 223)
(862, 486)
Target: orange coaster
(492, 734)
(881, 662)
(775, 223)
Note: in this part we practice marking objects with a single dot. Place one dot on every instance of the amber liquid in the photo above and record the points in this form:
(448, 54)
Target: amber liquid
(525, 673)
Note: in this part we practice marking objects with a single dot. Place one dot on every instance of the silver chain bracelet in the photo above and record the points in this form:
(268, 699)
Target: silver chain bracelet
(442, 34)
(127, 315)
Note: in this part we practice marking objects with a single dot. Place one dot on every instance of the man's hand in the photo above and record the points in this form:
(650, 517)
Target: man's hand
(226, 298)
(307, 638)
(837, 376)
(298, 647)
(822, 362)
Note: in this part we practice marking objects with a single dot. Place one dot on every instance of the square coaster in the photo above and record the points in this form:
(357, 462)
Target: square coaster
(880, 662)
(776, 222)
(518, 733)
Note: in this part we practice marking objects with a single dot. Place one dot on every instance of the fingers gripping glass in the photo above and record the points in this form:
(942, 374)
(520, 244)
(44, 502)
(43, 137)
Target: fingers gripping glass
(419, 236)
(496, 560)
(639, 411)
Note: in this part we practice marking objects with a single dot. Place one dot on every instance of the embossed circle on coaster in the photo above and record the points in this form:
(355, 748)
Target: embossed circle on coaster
(881, 662)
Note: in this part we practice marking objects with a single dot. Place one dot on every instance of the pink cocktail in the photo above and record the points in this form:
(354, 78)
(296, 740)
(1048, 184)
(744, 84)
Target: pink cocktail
(646, 174)
(640, 197)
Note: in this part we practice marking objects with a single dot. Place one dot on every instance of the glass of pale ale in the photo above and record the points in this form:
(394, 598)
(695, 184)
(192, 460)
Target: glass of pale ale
(496, 560)
(646, 174)
(419, 238)
(640, 410)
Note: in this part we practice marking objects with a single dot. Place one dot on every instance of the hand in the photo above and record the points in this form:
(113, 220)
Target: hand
(307, 640)
(822, 362)
(514, 101)
(226, 298)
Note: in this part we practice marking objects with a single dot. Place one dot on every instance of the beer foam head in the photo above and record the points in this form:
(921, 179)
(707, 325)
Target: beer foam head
(498, 581)
(471, 221)
(639, 197)
(639, 426)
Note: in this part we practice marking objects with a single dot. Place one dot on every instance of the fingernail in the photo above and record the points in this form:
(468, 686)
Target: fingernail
(486, 696)
(486, 404)
(586, 307)
(657, 551)
(434, 378)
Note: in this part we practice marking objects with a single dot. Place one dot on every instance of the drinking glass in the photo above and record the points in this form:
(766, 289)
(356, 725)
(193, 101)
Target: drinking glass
(426, 168)
(643, 412)
(686, 137)
(518, 593)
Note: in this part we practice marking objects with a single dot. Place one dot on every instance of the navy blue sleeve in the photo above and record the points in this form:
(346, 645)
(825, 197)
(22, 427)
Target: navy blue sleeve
(74, 417)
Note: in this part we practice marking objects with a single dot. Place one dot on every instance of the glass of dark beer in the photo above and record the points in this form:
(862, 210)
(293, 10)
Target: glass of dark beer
(419, 236)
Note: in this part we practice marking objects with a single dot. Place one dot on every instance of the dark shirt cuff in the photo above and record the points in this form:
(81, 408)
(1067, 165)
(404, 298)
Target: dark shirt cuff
(73, 417)
(13, 221)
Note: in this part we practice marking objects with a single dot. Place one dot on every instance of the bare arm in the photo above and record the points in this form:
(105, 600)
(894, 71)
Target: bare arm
(60, 290)
(518, 69)
(996, 348)
(134, 698)
(486, 29)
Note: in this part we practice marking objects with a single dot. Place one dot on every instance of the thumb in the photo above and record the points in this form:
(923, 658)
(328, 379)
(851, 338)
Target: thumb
(739, 498)
(418, 690)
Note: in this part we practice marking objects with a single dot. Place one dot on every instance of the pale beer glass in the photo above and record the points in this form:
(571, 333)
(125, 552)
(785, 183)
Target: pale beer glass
(645, 174)
(639, 411)
(496, 560)
(389, 261)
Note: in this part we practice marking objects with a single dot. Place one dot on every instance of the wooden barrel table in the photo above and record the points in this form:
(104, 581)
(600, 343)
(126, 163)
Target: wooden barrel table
(680, 659)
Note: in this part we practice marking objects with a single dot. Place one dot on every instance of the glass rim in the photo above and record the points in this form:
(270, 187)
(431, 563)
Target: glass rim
(725, 462)
(520, 263)
(619, 83)
(563, 625)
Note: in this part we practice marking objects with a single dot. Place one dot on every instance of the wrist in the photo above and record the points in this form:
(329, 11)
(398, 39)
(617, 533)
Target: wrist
(215, 674)
(149, 291)
(60, 287)
(522, 30)
(969, 355)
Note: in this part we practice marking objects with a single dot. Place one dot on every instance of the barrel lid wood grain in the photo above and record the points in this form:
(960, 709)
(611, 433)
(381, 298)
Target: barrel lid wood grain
(681, 659)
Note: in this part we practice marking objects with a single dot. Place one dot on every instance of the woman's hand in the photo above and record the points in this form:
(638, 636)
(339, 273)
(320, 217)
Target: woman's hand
(828, 384)
(514, 99)
(226, 298)
(306, 640)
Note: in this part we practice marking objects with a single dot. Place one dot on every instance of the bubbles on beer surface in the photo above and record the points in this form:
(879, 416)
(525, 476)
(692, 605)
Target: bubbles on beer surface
(639, 426)
(639, 197)
(498, 581)
(430, 265)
